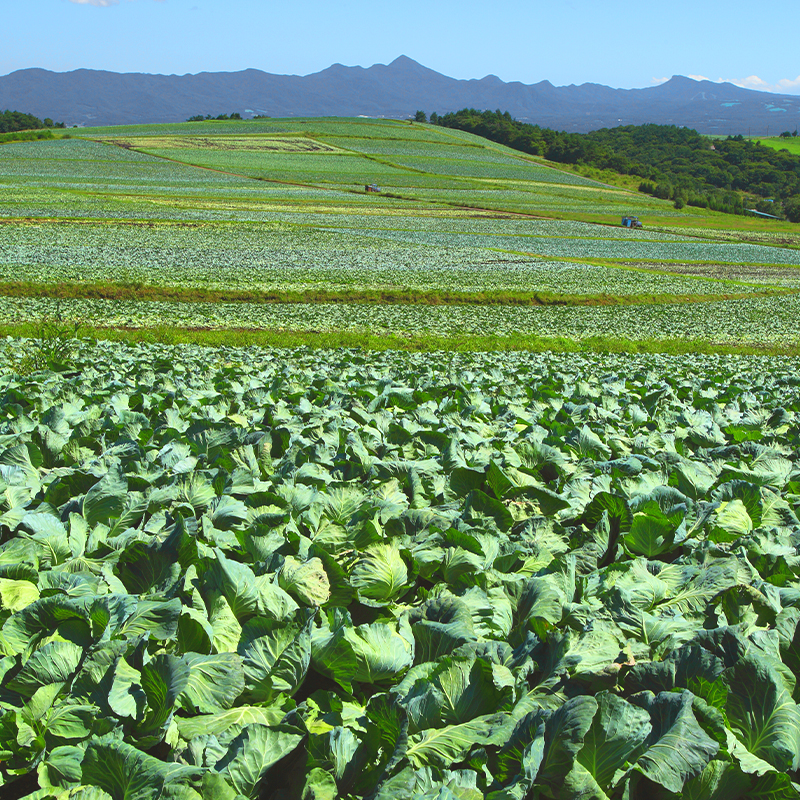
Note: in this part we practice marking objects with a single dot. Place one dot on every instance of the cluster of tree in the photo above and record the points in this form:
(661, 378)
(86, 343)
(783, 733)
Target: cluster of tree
(13, 121)
(679, 164)
(791, 208)
(201, 118)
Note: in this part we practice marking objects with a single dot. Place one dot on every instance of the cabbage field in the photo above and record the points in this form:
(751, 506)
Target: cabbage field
(243, 574)
(428, 572)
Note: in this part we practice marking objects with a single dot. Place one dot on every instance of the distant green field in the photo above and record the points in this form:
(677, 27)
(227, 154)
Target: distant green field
(792, 145)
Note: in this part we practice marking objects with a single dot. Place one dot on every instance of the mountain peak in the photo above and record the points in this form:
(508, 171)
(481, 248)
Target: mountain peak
(677, 82)
(405, 62)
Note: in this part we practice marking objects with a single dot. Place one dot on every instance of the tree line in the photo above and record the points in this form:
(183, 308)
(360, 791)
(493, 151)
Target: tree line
(14, 121)
(730, 175)
(201, 118)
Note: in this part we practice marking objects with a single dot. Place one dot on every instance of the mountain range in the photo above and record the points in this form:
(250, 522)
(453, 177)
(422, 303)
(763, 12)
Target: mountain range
(397, 90)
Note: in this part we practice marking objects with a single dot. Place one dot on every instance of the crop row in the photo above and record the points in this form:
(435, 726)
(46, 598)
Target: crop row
(623, 249)
(276, 255)
(552, 198)
(469, 222)
(771, 320)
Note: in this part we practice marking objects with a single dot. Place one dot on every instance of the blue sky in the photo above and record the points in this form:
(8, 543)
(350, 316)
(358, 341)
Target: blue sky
(620, 44)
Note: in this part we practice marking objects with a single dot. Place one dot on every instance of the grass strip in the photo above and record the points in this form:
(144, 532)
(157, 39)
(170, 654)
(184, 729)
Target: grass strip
(176, 294)
(247, 337)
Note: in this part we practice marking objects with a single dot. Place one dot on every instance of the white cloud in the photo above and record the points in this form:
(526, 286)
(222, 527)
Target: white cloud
(789, 86)
(783, 86)
(750, 82)
(658, 80)
(698, 77)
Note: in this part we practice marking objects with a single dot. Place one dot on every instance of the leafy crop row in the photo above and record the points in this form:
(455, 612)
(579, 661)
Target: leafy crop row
(605, 248)
(758, 321)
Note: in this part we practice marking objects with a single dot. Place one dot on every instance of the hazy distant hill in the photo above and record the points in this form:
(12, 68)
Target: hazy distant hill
(91, 97)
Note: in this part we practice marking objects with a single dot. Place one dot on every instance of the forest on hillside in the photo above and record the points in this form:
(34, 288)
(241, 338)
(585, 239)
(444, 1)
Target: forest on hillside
(730, 175)
(14, 121)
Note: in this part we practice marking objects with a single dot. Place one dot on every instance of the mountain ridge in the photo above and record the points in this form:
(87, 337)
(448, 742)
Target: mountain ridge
(395, 90)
